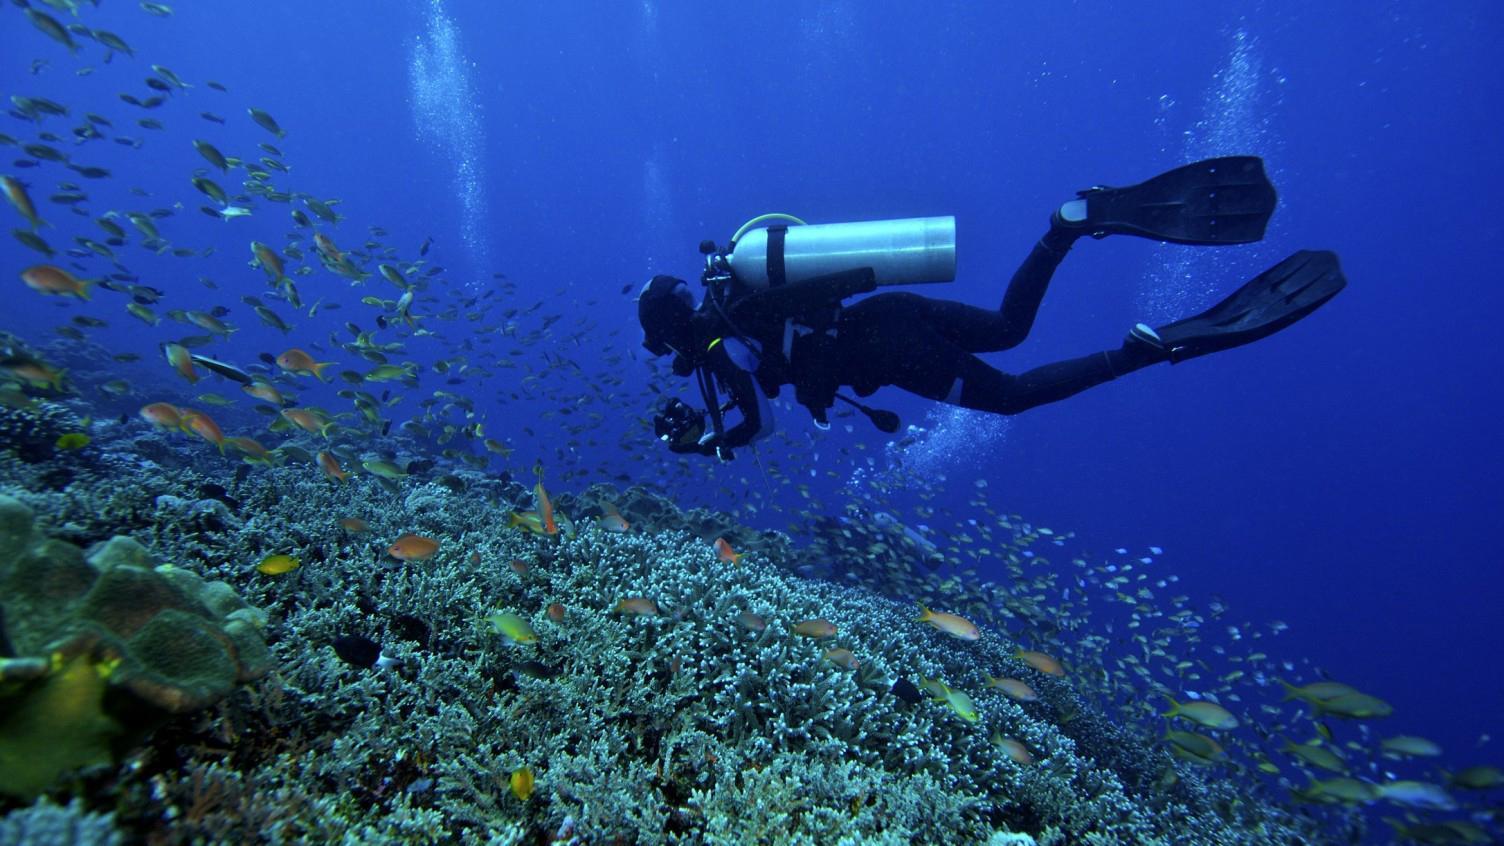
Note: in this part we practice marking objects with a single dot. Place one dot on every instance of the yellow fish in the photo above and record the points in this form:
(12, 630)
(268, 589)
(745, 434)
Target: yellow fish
(522, 783)
(528, 521)
(513, 626)
(957, 700)
(73, 440)
(276, 565)
(1202, 712)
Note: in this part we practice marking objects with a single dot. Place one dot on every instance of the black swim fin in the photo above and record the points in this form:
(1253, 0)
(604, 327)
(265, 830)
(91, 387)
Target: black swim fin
(1264, 305)
(1226, 200)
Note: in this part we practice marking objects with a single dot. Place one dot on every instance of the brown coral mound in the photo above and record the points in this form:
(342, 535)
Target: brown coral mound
(182, 643)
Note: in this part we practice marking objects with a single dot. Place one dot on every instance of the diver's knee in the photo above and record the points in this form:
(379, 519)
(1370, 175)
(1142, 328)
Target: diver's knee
(989, 392)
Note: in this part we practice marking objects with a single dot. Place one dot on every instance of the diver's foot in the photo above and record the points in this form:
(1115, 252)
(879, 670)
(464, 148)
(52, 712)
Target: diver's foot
(1143, 333)
(1146, 346)
(1067, 223)
(1070, 217)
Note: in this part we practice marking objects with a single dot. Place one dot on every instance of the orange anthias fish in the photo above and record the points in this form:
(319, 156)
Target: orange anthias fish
(48, 279)
(814, 628)
(545, 507)
(200, 424)
(181, 361)
(204, 320)
(307, 420)
(951, 624)
(354, 525)
(252, 450)
(330, 465)
(724, 551)
(38, 374)
(265, 391)
(16, 193)
(639, 605)
(163, 414)
(1016, 751)
(267, 259)
(325, 245)
(612, 521)
(344, 268)
(412, 547)
(300, 362)
(843, 658)
(1040, 661)
(1014, 688)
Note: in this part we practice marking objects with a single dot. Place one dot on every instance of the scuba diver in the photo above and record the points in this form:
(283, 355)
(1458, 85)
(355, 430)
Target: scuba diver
(773, 313)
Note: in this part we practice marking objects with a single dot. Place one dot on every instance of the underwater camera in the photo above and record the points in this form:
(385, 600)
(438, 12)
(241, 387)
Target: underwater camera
(678, 421)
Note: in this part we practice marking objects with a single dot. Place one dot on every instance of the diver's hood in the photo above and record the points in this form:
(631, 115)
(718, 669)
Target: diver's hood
(664, 308)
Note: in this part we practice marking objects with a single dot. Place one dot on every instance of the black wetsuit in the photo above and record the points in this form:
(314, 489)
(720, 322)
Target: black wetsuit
(925, 346)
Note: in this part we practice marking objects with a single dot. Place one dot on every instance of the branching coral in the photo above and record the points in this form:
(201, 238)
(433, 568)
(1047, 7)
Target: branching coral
(680, 726)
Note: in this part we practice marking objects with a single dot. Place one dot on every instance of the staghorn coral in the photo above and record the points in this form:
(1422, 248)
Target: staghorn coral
(682, 727)
(46, 824)
(650, 512)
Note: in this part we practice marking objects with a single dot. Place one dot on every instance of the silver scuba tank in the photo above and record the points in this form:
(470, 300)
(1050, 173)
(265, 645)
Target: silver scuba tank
(900, 252)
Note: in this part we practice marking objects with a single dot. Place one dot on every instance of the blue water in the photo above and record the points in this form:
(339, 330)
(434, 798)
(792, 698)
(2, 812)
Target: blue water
(1340, 477)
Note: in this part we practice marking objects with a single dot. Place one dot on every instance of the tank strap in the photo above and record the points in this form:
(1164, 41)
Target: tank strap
(776, 271)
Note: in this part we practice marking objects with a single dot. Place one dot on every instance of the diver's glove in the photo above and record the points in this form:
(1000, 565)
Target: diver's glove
(710, 444)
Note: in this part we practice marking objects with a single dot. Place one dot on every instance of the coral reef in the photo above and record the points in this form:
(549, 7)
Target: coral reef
(31, 433)
(681, 726)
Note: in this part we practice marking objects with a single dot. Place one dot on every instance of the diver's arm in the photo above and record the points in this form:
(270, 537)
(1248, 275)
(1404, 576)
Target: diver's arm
(691, 447)
(757, 414)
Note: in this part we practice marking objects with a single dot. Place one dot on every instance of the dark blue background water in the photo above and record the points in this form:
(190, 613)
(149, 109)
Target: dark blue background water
(1341, 476)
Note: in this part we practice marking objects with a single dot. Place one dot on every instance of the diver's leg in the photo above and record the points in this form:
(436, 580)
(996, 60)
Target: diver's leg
(982, 387)
(882, 343)
(979, 330)
(1026, 288)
